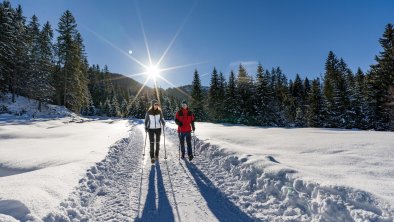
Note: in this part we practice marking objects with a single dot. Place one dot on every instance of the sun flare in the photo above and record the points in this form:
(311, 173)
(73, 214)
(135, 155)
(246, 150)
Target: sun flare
(153, 72)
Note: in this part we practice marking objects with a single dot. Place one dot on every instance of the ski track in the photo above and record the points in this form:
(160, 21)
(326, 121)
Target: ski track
(125, 186)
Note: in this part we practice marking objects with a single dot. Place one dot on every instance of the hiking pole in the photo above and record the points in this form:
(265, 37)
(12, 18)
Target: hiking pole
(194, 143)
(165, 151)
(179, 146)
(146, 134)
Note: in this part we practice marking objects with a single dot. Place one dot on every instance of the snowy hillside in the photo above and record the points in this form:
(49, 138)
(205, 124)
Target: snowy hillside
(28, 108)
(59, 169)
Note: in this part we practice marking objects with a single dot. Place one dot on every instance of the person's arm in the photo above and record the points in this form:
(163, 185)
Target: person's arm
(162, 119)
(146, 121)
(192, 122)
(179, 123)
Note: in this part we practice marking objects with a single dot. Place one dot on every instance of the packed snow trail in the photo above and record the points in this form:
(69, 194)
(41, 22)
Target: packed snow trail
(175, 190)
(125, 186)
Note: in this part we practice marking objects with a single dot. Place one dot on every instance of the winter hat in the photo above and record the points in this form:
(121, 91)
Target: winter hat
(154, 102)
(184, 102)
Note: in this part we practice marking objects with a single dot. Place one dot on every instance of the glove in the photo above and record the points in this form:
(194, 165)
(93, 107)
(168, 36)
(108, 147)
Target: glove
(180, 124)
(164, 123)
(146, 129)
(193, 128)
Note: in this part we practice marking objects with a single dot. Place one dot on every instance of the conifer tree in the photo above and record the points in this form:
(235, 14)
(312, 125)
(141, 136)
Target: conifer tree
(221, 97)
(283, 102)
(245, 92)
(43, 81)
(65, 77)
(263, 98)
(7, 51)
(33, 72)
(382, 81)
(213, 96)
(72, 75)
(314, 108)
(232, 109)
(358, 102)
(330, 89)
(197, 101)
(19, 60)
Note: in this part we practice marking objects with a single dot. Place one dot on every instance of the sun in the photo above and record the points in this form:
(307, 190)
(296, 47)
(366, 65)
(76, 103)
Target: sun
(153, 72)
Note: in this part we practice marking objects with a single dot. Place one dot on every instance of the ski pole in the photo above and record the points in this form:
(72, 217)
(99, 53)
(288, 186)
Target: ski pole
(146, 134)
(165, 151)
(179, 146)
(194, 143)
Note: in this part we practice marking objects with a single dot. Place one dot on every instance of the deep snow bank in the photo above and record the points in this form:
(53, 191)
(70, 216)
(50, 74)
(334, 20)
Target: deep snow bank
(270, 191)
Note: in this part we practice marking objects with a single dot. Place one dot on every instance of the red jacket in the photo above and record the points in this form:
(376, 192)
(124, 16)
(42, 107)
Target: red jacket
(184, 118)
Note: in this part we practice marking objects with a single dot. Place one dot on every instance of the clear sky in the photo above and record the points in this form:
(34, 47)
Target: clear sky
(295, 35)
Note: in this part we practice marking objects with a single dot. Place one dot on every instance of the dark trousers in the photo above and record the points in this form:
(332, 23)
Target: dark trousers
(154, 133)
(188, 137)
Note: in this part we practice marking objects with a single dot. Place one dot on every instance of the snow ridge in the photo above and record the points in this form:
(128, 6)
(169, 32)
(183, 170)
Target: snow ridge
(108, 188)
(267, 190)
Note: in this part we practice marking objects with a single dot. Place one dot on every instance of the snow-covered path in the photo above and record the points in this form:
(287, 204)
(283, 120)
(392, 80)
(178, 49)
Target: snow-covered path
(125, 186)
(176, 190)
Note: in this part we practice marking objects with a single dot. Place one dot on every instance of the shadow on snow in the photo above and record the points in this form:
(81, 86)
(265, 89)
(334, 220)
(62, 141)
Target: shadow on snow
(163, 210)
(220, 205)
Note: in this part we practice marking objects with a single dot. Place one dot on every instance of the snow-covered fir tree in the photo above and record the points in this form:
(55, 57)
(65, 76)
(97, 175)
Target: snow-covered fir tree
(231, 105)
(213, 96)
(197, 98)
(382, 82)
(245, 97)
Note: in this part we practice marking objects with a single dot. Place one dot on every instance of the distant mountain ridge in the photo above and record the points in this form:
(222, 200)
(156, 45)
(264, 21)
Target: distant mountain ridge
(132, 86)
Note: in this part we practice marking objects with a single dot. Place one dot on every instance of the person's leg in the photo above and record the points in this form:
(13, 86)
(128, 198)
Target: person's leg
(152, 143)
(189, 143)
(182, 141)
(157, 134)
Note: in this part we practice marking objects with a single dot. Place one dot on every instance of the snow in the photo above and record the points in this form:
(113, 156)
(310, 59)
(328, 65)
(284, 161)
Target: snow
(58, 166)
(41, 160)
(326, 174)
(25, 108)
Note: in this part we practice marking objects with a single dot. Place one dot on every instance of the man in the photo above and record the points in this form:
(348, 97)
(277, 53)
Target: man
(184, 118)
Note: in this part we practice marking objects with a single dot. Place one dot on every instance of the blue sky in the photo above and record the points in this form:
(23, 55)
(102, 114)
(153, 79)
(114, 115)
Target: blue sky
(295, 35)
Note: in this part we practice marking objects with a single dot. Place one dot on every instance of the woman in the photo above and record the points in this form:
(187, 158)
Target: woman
(153, 122)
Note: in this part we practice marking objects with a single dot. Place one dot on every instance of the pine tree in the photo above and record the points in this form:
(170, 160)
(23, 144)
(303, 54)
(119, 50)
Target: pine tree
(44, 87)
(299, 103)
(65, 49)
(213, 96)
(20, 58)
(7, 51)
(114, 107)
(283, 103)
(123, 108)
(330, 92)
(344, 95)
(314, 109)
(197, 101)
(38, 82)
(33, 48)
(221, 97)
(245, 92)
(232, 109)
(72, 75)
(263, 98)
(358, 103)
(382, 81)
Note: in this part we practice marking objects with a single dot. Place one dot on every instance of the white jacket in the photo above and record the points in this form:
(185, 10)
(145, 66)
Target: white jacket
(154, 121)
